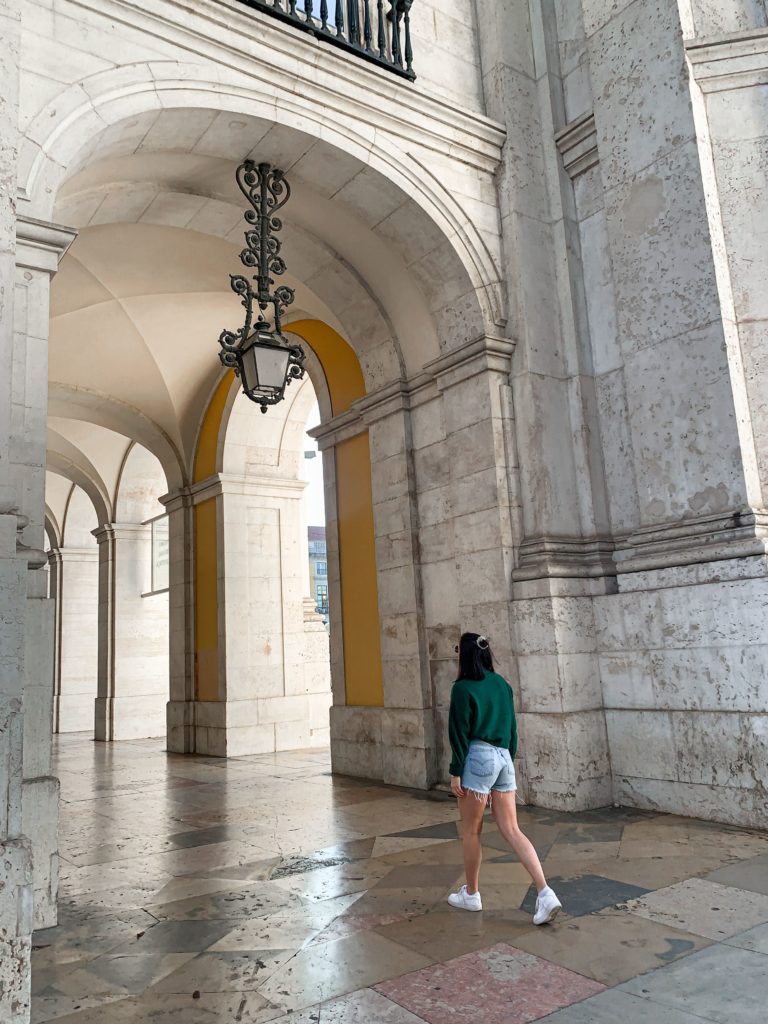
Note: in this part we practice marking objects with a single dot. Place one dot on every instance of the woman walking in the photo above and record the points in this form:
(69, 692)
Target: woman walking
(483, 736)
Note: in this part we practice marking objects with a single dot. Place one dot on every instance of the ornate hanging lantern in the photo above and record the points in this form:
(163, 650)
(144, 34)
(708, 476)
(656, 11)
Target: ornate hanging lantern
(261, 356)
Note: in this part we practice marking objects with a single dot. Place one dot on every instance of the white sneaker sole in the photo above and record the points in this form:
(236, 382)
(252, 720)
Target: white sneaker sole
(550, 917)
(462, 906)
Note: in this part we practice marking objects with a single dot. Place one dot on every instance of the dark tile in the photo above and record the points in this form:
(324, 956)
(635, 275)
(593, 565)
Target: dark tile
(331, 856)
(599, 832)
(177, 937)
(747, 874)
(410, 876)
(586, 894)
(205, 836)
(446, 830)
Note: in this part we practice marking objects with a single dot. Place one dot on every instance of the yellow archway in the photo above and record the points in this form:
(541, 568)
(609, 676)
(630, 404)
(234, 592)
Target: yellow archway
(364, 683)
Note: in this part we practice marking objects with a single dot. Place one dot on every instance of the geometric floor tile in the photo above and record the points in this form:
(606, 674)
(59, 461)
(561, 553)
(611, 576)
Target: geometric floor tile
(722, 984)
(264, 890)
(500, 985)
(586, 894)
(747, 874)
(617, 1007)
(611, 946)
(755, 939)
(331, 969)
(363, 1007)
(704, 908)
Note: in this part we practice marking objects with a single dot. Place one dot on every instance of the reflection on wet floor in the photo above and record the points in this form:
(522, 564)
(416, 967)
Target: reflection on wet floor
(263, 889)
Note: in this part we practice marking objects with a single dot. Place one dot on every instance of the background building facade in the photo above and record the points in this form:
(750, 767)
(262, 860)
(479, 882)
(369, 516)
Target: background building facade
(530, 284)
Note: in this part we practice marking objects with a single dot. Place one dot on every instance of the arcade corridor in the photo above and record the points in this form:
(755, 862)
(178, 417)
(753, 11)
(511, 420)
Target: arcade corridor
(263, 889)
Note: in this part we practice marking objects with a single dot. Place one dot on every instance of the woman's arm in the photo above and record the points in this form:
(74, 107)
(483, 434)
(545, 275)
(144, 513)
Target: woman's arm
(459, 726)
(513, 737)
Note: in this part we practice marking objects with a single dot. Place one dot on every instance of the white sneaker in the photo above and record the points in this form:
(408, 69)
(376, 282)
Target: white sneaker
(548, 906)
(464, 901)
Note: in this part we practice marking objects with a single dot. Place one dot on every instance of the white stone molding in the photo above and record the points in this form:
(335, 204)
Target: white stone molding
(577, 144)
(731, 62)
(737, 534)
(486, 354)
(260, 486)
(565, 557)
(40, 245)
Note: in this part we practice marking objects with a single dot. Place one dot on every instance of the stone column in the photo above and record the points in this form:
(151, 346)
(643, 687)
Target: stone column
(463, 466)
(29, 254)
(273, 689)
(180, 711)
(75, 583)
(133, 637)
(562, 542)
(39, 248)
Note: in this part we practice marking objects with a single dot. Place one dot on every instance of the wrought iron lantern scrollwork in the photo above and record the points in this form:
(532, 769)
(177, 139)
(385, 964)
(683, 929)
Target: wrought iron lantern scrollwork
(260, 354)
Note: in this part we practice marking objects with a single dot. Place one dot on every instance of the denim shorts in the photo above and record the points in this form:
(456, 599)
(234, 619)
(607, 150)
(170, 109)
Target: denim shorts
(488, 768)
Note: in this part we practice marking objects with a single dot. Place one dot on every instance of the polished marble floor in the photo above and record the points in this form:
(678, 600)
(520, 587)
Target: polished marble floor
(263, 889)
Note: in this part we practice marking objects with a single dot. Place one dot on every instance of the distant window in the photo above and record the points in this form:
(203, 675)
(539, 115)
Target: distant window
(321, 594)
(321, 568)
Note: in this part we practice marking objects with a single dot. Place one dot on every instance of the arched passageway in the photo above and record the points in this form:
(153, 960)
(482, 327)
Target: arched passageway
(394, 302)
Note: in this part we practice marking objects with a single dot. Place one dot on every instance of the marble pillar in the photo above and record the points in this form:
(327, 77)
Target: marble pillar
(133, 637)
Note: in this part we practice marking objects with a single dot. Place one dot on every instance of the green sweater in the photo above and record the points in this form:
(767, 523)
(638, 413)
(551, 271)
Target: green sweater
(480, 710)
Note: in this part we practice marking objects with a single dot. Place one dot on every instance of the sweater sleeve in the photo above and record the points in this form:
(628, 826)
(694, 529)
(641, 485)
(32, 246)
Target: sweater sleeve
(459, 722)
(513, 737)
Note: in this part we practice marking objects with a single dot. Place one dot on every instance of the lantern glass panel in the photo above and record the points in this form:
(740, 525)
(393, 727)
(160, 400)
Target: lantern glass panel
(265, 368)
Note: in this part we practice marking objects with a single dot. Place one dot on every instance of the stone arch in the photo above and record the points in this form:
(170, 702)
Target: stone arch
(68, 461)
(314, 265)
(52, 529)
(105, 411)
(80, 520)
(140, 484)
(69, 130)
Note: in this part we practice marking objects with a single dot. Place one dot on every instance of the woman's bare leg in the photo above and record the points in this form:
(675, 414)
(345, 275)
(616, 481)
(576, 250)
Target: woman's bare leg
(505, 815)
(472, 810)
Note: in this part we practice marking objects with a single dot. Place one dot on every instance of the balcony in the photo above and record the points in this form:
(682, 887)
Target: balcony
(379, 31)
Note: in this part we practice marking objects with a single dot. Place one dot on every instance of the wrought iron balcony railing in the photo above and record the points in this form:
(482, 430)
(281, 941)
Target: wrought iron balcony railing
(376, 30)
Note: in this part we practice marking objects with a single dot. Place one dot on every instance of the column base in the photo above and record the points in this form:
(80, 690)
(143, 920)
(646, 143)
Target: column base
(683, 655)
(242, 727)
(15, 931)
(130, 718)
(391, 745)
(40, 817)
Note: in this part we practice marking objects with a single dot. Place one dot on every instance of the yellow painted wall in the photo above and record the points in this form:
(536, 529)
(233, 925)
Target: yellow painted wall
(359, 594)
(206, 603)
(206, 560)
(340, 364)
(357, 546)
(357, 555)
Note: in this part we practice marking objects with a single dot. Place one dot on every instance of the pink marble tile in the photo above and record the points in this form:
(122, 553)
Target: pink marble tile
(499, 985)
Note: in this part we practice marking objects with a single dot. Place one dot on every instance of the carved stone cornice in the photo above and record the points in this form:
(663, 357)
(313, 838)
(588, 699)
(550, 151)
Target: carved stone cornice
(565, 558)
(577, 143)
(732, 61)
(260, 485)
(40, 245)
(484, 354)
(739, 534)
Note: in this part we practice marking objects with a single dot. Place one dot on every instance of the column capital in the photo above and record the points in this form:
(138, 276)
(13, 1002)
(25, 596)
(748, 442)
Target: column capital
(118, 531)
(484, 354)
(72, 554)
(40, 245)
(176, 500)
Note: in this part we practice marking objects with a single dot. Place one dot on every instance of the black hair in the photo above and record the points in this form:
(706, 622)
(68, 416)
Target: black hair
(475, 658)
